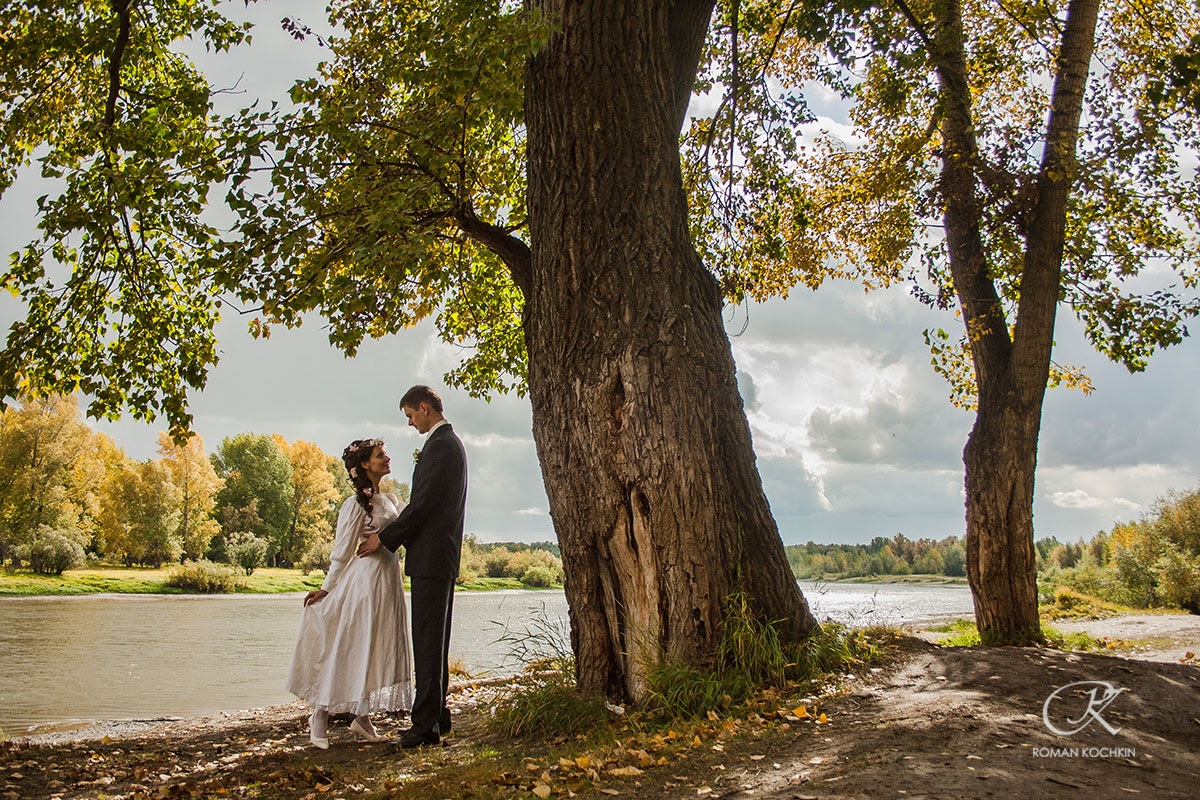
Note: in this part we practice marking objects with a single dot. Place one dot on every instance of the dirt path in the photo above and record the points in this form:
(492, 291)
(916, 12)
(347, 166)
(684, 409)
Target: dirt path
(939, 722)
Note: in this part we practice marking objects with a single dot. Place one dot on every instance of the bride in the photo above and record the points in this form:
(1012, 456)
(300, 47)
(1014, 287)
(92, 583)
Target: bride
(353, 654)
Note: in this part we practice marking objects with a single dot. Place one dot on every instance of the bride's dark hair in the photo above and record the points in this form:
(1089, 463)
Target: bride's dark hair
(355, 453)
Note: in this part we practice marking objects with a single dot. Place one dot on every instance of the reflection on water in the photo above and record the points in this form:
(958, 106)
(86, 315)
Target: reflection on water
(67, 659)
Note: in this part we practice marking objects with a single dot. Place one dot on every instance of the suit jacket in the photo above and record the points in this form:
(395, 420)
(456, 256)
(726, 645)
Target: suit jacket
(431, 526)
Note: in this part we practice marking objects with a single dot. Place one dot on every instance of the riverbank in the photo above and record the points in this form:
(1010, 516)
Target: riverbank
(146, 580)
(932, 721)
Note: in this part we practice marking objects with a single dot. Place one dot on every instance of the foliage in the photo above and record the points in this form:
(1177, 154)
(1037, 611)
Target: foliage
(314, 501)
(257, 493)
(54, 552)
(139, 514)
(246, 550)
(317, 556)
(204, 577)
(548, 705)
(119, 119)
(193, 475)
(51, 469)
(1150, 563)
(898, 555)
(536, 565)
(871, 195)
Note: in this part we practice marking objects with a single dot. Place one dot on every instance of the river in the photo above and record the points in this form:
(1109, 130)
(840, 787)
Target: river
(71, 660)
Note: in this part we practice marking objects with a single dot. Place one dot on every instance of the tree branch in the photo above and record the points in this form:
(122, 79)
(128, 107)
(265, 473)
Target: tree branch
(515, 254)
(123, 10)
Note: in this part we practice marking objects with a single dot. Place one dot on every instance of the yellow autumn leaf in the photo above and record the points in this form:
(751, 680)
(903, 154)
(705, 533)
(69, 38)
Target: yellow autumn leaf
(583, 762)
(542, 790)
(821, 720)
(801, 711)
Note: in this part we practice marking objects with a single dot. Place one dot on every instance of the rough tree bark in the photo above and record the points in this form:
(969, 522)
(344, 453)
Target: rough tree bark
(640, 430)
(1011, 371)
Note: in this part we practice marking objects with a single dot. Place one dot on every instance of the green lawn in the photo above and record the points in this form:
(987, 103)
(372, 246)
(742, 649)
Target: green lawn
(143, 580)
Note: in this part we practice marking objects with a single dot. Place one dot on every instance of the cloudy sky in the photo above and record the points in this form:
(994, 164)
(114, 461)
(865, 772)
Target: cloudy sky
(854, 433)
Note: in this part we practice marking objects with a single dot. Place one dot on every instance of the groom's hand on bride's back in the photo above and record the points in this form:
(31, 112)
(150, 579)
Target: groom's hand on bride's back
(369, 544)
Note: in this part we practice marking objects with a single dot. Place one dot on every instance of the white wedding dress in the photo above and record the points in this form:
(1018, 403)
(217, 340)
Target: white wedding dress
(353, 653)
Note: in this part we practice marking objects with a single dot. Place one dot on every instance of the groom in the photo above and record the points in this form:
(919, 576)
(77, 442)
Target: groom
(431, 529)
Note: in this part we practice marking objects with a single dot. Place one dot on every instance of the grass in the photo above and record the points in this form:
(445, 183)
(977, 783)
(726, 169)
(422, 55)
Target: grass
(146, 580)
(1067, 603)
(142, 580)
(574, 742)
(963, 633)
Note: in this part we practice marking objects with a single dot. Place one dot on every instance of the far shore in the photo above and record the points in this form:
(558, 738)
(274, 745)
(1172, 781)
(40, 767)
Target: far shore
(104, 579)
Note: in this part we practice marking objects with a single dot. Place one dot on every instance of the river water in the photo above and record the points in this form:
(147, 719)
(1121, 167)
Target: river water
(70, 660)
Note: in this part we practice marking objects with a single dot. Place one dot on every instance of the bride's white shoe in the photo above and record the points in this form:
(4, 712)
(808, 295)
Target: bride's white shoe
(320, 742)
(358, 730)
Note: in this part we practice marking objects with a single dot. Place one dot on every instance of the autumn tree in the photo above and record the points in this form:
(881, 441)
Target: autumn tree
(514, 172)
(139, 514)
(256, 494)
(1044, 143)
(193, 475)
(51, 469)
(314, 498)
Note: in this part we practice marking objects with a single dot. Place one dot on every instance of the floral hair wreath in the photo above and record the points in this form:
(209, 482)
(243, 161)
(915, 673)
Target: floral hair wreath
(369, 444)
(366, 445)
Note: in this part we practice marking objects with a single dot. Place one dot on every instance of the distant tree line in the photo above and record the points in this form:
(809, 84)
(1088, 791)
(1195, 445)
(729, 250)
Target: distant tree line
(537, 565)
(69, 494)
(898, 555)
(1151, 563)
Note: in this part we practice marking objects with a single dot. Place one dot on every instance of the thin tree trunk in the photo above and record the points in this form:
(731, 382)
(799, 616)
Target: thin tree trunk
(640, 430)
(1011, 373)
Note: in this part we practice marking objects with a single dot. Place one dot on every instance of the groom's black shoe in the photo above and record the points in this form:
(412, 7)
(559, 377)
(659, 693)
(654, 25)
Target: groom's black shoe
(414, 738)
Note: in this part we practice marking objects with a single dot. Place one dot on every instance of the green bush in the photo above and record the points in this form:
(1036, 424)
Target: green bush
(316, 557)
(540, 576)
(247, 551)
(205, 577)
(54, 552)
(496, 563)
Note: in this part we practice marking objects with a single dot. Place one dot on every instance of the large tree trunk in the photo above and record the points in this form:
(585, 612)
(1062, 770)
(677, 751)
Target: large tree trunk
(640, 430)
(1011, 371)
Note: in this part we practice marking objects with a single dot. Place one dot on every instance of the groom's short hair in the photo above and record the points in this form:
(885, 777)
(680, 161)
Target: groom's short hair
(421, 394)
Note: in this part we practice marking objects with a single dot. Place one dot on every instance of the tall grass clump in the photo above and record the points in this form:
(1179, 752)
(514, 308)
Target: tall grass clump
(750, 656)
(204, 577)
(543, 698)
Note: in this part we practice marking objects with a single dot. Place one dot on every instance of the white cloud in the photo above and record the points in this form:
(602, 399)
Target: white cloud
(1076, 499)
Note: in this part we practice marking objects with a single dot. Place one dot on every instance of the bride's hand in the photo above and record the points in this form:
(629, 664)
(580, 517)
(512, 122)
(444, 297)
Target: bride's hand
(313, 597)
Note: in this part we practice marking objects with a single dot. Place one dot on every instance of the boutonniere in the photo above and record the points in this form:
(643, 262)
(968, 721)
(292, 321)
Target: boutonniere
(416, 456)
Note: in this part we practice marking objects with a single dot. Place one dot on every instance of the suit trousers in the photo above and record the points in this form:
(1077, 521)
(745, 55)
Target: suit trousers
(432, 601)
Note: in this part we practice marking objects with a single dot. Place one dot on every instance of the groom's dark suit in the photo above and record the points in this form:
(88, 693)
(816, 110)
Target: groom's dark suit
(431, 529)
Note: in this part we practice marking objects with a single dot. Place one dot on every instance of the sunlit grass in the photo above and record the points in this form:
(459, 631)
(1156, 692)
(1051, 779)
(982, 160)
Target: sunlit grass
(964, 633)
(142, 580)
